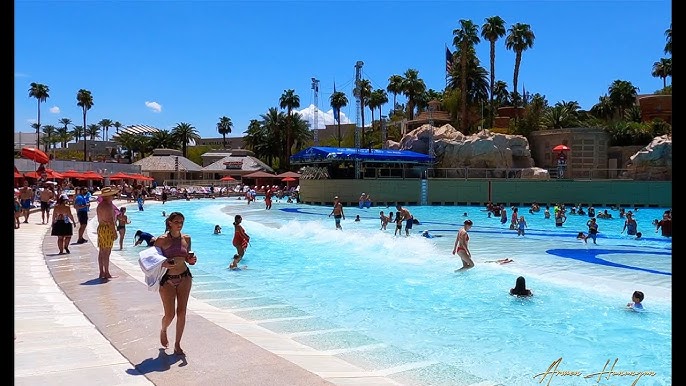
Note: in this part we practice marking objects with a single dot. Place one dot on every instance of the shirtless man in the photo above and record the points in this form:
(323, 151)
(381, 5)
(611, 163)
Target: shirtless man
(25, 198)
(407, 217)
(46, 196)
(337, 212)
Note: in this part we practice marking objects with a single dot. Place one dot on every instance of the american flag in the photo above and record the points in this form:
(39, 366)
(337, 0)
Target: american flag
(448, 60)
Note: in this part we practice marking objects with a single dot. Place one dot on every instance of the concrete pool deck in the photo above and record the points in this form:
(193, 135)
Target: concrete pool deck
(71, 329)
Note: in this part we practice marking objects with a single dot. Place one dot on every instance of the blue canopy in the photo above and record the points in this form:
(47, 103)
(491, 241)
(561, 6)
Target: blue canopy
(329, 154)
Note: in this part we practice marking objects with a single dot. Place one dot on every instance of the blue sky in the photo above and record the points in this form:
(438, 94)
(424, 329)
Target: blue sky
(160, 63)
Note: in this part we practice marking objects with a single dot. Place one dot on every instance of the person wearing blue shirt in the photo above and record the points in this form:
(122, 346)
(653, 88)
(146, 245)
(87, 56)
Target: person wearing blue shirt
(82, 204)
(141, 236)
(636, 299)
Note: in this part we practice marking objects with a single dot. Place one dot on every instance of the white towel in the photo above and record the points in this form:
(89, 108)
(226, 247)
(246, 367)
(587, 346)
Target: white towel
(150, 261)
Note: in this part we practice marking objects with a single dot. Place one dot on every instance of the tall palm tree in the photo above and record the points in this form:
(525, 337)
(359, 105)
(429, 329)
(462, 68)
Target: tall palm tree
(378, 98)
(622, 95)
(668, 35)
(274, 124)
(185, 133)
(413, 88)
(519, 39)
(466, 37)
(337, 101)
(224, 127)
(289, 100)
(64, 136)
(395, 87)
(502, 96)
(84, 100)
(662, 69)
(364, 90)
(492, 30)
(105, 124)
(41, 93)
(257, 140)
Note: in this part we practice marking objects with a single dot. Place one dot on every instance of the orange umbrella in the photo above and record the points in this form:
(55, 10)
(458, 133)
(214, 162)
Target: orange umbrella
(288, 179)
(227, 178)
(120, 176)
(49, 173)
(90, 175)
(35, 155)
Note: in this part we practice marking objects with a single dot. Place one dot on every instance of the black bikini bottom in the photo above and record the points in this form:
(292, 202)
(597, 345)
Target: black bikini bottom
(175, 279)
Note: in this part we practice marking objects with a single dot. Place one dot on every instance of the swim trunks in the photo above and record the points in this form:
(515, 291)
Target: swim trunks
(82, 216)
(44, 205)
(106, 236)
(26, 204)
(409, 222)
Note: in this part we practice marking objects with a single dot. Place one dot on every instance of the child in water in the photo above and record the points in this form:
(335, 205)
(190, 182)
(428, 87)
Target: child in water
(217, 229)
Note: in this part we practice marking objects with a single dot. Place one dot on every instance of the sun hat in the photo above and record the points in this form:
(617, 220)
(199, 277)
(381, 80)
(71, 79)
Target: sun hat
(64, 197)
(107, 191)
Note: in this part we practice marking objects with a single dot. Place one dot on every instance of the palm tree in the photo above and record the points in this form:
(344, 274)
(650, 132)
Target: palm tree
(668, 35)
(337, 101)
(413, 88)
(466, 37)
(62, 133)
(378, 99)
(41, 93)
(84, 100)
(93, 131)
(77, 132)
(395, 87)
(163, 139)
(105, 124)
(364, 90)
(185, 133)
(662, 69)
(289, 100)
(502, 96)
(117, 125)
(49, 131)
(275, 124)
(257, 139)
(520, 38)
(224, 127)
(65, 122)
(622, 95)
(603, 109)
(492, 30)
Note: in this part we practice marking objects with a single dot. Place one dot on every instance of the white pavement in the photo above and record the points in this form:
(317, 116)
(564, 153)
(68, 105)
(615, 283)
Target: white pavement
(55, 344)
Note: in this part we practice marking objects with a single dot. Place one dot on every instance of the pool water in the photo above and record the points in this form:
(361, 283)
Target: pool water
(394, 303)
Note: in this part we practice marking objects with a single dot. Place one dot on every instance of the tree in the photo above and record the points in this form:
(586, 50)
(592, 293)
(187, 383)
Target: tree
(49, 131)
(662, 69)
(163, 139)
(64, 132)
(289, 100)
(257, 140)
(603, 109)
(377, 99)
(622, 95)
(492, 30)
(337, 101)
(117, 125)
(668, 35)
(41, 93)
(184, 133)
(93, 131)
(465, 38)
(364, 91)
(395, 87)
(84, 100)
(224, 127)
(413, 88)
(519, 39)
(105, 124)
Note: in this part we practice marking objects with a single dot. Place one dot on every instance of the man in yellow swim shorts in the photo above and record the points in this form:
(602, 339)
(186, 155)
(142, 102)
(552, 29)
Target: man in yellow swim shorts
(107, 233)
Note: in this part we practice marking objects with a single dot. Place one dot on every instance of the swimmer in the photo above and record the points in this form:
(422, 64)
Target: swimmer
(500, 261)
(429, 236)
(217, 229)
(164, 214)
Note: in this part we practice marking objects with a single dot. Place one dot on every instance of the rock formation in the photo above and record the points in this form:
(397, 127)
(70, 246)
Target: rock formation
(653, 162)
(487, 154)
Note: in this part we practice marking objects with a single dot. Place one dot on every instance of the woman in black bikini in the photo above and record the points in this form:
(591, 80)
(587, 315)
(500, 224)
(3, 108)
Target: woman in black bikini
(122, 220)
(175, 285)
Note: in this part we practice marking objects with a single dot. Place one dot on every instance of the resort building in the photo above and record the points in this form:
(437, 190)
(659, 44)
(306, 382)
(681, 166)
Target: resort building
(235, 163)
(218, 143)
(169, 164)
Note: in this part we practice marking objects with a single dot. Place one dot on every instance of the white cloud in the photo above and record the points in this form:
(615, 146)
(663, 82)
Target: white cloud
(55, 110)
(154, 106)
(323, 117)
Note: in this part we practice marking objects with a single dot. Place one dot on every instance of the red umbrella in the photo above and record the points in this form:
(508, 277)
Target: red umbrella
(120, 176)
(561, 148)
(49, 173)
(227, 178)
(71, 173)
(288, 179)
(35, 155)
(89, 175)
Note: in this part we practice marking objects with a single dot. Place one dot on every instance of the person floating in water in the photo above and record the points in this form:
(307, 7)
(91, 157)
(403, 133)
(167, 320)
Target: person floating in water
(217, 229)
(141, 236)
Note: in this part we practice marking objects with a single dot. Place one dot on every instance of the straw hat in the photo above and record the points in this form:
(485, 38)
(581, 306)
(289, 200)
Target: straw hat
(107, 191)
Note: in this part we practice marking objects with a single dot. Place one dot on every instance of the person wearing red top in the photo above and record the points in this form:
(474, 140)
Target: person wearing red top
(666, 225)
(268, 198)
(240, 241)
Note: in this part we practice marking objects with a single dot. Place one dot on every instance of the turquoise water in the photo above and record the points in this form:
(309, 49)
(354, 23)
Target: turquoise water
(395, 303)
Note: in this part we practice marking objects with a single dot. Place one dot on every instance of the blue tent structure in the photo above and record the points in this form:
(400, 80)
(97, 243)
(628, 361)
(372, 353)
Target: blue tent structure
(323, 154)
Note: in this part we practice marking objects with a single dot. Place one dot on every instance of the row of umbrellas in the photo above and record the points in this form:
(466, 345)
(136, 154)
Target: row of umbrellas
(87, 175)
